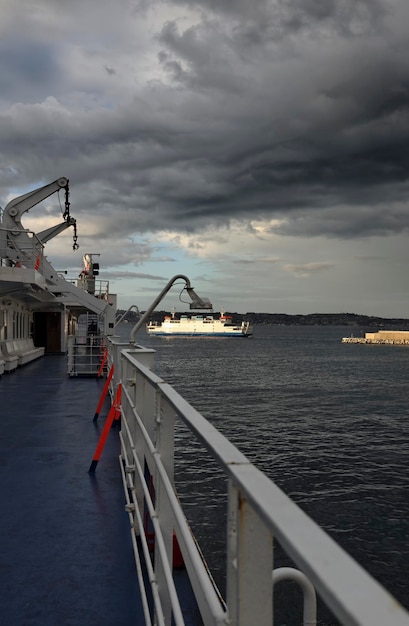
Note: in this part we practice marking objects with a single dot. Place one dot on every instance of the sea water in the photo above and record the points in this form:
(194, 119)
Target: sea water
(328, 422)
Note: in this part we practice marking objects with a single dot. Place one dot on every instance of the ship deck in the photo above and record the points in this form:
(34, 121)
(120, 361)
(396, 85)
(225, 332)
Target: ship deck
(65, 542)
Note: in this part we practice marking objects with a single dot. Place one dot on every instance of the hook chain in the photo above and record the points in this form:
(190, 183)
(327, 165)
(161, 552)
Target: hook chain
(68, 218)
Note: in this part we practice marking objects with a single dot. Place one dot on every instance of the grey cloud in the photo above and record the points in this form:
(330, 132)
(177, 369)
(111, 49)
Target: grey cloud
(347, 222)
(305, 269)
(28, 69)
(280, 18)
(311, 128)
(256, 260)
(125, 275)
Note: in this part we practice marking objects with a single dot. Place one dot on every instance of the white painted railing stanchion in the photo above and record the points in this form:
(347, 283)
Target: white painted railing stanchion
(250, 562)
(164, 427)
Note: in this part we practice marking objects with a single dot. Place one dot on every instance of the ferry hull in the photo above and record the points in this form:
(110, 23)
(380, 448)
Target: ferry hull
(163, 333)
(199, 326)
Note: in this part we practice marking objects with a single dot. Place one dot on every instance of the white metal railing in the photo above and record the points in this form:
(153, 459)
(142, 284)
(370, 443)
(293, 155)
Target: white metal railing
(97, 287)
(85, 354)
(309, 595)
(29, 254)
(258, 513)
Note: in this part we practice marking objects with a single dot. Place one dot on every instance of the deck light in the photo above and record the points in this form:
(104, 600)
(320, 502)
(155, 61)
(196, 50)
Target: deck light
(197, 303)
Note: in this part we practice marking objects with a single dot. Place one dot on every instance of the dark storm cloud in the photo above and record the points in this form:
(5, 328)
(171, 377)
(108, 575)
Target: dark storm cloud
(295, 110)
(338, 140)
(27, 68)
(277, 19)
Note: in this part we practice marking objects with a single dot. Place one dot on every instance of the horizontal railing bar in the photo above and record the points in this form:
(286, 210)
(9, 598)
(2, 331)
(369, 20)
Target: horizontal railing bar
(359, 599)
(193, 561)
(160, 545)
(220, 447)
(177, 614)
(145, 549)
(144, 598)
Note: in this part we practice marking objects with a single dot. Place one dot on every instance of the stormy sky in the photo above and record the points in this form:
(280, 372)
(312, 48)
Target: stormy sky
(258, 147)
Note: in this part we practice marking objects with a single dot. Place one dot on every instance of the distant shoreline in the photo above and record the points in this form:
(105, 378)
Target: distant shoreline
(283, 319)
(326, 319)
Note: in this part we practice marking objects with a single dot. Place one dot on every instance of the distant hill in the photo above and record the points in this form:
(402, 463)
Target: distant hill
(312, 319)
(326, 319)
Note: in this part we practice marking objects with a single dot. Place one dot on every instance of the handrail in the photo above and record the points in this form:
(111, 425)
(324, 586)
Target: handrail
(310, 599)
(197, 302)
(122, 317)
(258, 513)
(32, 249)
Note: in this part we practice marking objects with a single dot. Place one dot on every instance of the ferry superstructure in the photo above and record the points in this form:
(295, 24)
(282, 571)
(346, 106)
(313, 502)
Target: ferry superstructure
(92, 527)
(199, 326)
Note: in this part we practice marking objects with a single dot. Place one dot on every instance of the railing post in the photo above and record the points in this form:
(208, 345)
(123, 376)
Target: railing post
(71, 356)
(249, 563)
(165, 435)
(134, 444)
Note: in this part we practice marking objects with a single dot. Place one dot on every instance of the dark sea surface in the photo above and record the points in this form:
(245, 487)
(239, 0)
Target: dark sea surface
(328, 422)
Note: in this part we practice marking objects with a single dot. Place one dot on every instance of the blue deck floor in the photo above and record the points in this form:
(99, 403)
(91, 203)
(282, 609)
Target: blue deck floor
(66, 553)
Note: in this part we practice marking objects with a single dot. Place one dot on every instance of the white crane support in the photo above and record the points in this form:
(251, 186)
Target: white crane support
(16, 243)
(16, 207)
(50, 233)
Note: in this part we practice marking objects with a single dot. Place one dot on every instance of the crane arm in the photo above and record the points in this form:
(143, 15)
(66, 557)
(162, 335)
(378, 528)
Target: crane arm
(15, 242)
(16, 207)
(49, 233)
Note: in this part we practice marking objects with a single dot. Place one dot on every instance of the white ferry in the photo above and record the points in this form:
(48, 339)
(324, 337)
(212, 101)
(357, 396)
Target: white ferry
(200, 326)
(116, 547)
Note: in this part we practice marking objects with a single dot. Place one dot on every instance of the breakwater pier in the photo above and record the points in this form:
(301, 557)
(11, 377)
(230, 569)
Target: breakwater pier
(383, 337)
